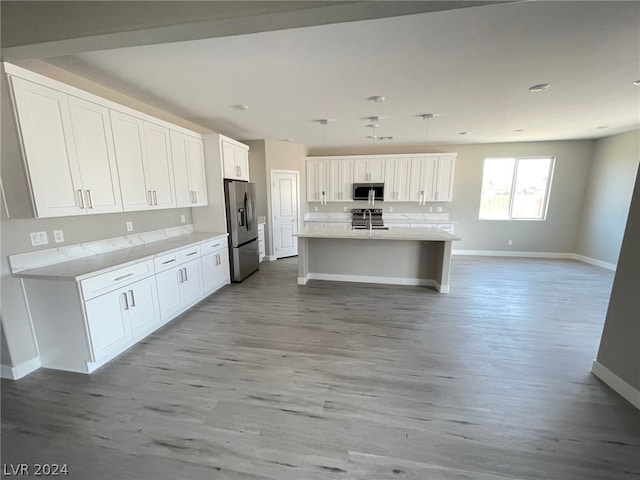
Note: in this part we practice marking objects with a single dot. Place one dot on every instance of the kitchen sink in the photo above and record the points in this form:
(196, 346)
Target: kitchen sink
(373, 227)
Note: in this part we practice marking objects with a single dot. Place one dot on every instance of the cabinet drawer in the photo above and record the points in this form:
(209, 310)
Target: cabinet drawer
(94, 286)
(213, 245)
(170, 260)
(190, 253)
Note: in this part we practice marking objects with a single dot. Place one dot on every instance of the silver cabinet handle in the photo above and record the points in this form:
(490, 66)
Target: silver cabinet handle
(169, 261)
(133, 299)
(81, 199)
(89, 199)
(149, 197)
(180, 272)
(186, 279)
(155, 198)
(126, 302)
(191, 253)
(195, 197)
(122, 277)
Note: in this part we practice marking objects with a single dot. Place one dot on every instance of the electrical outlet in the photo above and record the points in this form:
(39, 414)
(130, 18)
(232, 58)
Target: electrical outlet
(129, 226)
(390, 209)
(183, 219)
(510, 242)
(430, 209)
(315, 209)
(39, 238)
(58, 236)
(439, 209)
(344, 209)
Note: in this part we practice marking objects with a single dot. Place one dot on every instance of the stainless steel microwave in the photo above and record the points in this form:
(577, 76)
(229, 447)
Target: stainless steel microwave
(368, 191)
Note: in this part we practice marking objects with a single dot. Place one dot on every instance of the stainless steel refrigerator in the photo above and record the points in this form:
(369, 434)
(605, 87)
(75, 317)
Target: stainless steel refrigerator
(242, 226)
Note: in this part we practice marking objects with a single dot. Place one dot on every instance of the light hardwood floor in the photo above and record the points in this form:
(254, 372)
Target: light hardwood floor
(270, 380)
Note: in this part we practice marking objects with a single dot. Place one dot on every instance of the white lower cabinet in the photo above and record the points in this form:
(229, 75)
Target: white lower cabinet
(81, 324)
(117, 318)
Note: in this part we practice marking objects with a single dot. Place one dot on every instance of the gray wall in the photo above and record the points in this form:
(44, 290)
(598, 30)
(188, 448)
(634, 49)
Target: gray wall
(610, 185)
(620, 344)
(558, 234)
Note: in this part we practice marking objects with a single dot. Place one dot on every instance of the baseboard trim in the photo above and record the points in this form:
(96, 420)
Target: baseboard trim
(270, 258)
(617, 384)
(562, 256)
(337, 277)
(22, 370)
(597, 263)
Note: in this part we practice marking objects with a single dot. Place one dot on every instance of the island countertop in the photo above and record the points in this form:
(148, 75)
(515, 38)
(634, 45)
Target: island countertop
(393, 233)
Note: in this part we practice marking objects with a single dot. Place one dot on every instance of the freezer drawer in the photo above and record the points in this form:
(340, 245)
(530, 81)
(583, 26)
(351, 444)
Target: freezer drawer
(245, 260)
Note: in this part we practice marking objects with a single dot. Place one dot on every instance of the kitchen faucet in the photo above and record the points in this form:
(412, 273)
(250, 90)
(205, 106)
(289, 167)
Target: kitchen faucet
(364, 217)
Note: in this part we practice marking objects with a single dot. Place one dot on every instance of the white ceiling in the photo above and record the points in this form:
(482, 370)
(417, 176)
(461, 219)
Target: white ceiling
(471, 67)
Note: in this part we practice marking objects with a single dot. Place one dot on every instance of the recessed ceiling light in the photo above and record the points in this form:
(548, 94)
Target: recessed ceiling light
(375, 137)
(519, 130)
(376, 98)
(464, 133)
(540, 87)
(325, 121)
(287, 140)
(637, 83)
(602, 127)
(389, 137)
(241, 107)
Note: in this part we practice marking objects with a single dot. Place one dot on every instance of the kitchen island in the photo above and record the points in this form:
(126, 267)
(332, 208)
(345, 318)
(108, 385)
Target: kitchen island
(401, 255)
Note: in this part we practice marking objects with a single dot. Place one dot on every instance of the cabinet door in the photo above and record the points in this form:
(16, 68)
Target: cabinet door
(242, 163)
(444, 179)
(96, 156)
(192, 285)
(340, 180)
(376, 170)
(169, 291)
(429, 172)
(197, 176)
(144, 314)
(108, 322)
(402, 179)
(361, 170)
(159, 165)
(179, 157)
(317, 179)
(390, 189)
(45, 126)
(209, 265)
(128, 139)
(229, 160)
(222, 267)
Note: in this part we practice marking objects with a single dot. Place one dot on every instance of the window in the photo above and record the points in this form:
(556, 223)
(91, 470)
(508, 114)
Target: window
(515, 188)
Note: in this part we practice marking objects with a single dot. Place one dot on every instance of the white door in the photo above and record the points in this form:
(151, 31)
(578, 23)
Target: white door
(143, 306)
(159, 165)
(108, 321)
(284, 209)
(197, 177)
(192, 285)
(179, 154)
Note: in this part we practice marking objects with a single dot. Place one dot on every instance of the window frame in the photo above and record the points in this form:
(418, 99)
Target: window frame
(546, 196)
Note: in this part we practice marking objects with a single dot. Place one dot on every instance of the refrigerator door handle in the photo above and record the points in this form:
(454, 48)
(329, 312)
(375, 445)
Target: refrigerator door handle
(249, 209)
(241, 217)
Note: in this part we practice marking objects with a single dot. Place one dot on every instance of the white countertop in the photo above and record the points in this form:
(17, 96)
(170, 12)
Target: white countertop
(97, 264)
(394, 233)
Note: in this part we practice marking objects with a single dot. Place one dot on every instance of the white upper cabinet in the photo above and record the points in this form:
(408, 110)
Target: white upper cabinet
(368, 170)
(84, 154)
(317, 180)
(188, 170)
(397, 180)
(444, 178)
(340, 183)
(432, 178)
(235, 159)
(96, 156)
(69, 152)
(144, 163)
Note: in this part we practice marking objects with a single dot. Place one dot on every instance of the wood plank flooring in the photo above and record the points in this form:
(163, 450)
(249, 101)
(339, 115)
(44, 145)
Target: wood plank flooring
(271, 380)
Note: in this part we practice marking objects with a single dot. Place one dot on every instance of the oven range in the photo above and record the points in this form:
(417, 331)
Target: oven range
(362, 218)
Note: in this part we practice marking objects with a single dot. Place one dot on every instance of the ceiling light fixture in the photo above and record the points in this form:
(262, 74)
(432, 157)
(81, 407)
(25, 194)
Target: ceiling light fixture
(637, 83)
(602, 127)
(426, 117)
(519, 130)
(376, 98)
(541, 87)
(239, 106)
(324, 122)
(464, 133)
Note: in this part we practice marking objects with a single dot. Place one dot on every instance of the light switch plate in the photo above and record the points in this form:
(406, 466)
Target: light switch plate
(439, 209)
(183, 219)
(39, 238)
(58, 236)
(129, 226)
